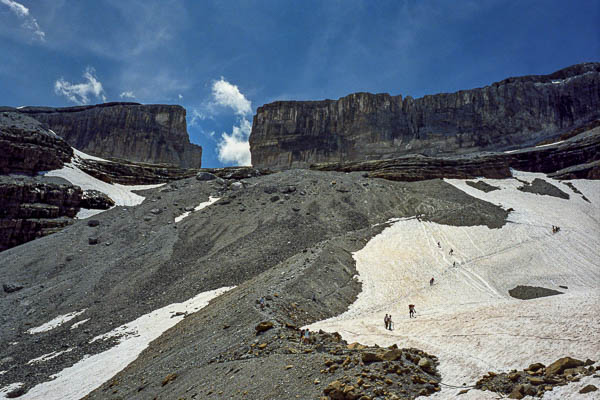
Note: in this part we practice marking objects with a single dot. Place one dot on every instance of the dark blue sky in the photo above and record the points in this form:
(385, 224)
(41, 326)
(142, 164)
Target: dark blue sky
(195, 53)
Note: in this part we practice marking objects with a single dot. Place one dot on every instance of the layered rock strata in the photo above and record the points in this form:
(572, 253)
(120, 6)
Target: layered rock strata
(576, 157)
(513, 113)
(146, 133)
(32, 209)
(27, 147)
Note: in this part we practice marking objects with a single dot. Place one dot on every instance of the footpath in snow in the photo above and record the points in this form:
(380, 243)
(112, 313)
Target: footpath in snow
(467, 318)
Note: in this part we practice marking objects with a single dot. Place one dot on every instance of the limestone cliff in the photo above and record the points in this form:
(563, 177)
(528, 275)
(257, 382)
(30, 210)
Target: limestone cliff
(513, 113)
(146, 133)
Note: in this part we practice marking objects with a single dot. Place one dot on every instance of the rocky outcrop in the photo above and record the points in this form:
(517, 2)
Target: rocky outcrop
(32, 209)
(513, 113)
(145, 133)
(27, 147)
(580, 153)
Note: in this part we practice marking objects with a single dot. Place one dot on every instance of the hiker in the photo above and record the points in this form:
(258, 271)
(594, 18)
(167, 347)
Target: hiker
(390, 322)
(306, 339)
(453, 263)
(431, 281)
(262, 303)
(411, 310)
(439, 245)
(451, 251)
(386, 320)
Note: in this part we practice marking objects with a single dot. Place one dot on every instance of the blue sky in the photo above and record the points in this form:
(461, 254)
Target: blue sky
(221, 60)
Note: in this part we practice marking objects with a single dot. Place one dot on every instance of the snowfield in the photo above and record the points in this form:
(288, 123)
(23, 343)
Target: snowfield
(467, 318)
(122, 195)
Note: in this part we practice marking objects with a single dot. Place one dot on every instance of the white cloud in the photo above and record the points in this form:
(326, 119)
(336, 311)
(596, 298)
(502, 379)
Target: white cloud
(127, 95)
(179, 96)
(29, 22)
(234, 147)
(79, 93)
(228, 95)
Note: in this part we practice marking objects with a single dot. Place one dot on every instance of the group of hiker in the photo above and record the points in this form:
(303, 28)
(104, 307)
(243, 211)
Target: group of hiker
(555, 229)
(387, 320)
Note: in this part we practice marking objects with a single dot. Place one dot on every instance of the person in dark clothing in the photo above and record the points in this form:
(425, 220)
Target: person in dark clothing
(431, 281)
(386, 321)
(411, 310)
(390, 323)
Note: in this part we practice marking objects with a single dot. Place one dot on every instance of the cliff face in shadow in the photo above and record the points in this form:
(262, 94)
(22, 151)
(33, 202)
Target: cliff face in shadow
(144, 133)
(513, 113)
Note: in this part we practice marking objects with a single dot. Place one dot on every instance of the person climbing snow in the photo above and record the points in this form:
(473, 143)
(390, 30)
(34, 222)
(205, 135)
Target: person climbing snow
(411, 310)
(386, 321)
(451, 251)
(390, 323)
(439, 245)
(431, 281)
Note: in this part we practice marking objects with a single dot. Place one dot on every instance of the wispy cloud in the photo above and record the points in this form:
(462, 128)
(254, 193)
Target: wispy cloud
(29, 22)
(127, 95)
(180, 96)
(228, 95)
(234, 147)
(79, 93)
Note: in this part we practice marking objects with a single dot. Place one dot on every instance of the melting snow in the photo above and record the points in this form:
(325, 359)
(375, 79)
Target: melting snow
(61, 319)
(78, 324)
(122, 195)
(49, 356)
(210, 201)
(92, 371)
(467, 318)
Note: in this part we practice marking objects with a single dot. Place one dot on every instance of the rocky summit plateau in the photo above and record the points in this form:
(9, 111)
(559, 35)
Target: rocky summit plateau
(130, 276)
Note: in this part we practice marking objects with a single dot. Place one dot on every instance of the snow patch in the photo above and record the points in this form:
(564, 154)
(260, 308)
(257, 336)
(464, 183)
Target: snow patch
(48, 356)
(550, 144)
(467, 318)
(85, 156)
(56, 322)
(78, 324)
(210, 201)
(122, 195)
(92, 371)
(9, 388)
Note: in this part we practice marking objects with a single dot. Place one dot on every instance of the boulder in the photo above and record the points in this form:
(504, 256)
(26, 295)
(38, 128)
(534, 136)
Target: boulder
(263, 326)
(11, 287)
(558, 366)
(369, 357)
(588, 389)
(205, 176)
(96, 200)
(93, 223)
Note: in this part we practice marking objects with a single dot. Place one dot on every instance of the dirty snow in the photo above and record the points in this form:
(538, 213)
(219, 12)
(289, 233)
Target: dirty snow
(48, 356)
(210, 201)
(78, 324)
(92, 371)
(467, 318)
(61, 319)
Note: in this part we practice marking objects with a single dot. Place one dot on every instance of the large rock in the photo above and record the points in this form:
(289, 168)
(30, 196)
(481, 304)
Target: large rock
(32, 209)
(27, 147)
(146, 133)
(558, 366)
(513, 113)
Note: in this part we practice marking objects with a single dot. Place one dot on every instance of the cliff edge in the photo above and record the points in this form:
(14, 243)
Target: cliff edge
(513, 113)
(153, 133)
